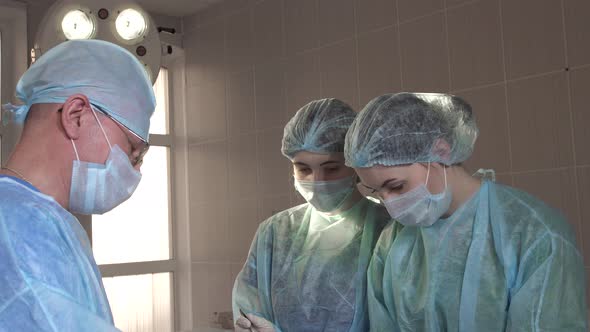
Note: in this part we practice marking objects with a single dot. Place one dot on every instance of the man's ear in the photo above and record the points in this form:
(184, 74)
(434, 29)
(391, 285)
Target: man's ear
(442, 149)
(71, 114)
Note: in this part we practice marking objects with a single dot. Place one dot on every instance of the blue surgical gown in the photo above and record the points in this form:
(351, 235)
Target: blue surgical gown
(306, 271)
(504, 261)
(48, 278)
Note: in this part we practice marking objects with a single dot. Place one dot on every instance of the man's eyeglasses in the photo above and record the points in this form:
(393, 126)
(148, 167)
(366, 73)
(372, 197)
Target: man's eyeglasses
(139, 147)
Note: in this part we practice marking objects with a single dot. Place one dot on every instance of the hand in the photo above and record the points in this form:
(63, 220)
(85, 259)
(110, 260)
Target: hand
(253, 323)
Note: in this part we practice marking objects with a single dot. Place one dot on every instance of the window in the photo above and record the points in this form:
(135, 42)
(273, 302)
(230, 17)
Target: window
(142, 302)
(13, 33)
(133, 243)
(1, 126)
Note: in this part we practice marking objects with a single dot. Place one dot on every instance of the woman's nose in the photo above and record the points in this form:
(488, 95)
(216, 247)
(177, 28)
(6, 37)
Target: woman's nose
(318, 176)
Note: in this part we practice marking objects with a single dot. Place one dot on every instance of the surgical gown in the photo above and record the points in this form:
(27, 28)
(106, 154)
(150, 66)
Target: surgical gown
(48, 278)
(504, 261)
(306, 271)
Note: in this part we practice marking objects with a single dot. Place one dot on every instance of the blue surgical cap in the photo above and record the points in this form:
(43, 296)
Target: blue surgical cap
(319, 127)
(111, 77)
(407, 128)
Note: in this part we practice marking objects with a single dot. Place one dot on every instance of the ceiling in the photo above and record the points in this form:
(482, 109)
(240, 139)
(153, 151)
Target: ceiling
(177, 8)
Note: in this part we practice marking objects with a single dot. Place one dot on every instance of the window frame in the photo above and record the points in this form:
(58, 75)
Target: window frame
(13, 32)
(158, 266)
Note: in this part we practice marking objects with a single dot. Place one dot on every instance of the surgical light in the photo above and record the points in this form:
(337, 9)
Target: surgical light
(122, 22)
(131, 24)
(76, 24)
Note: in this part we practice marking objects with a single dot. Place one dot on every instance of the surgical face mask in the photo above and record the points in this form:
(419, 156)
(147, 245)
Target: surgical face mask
(98, 188)
(326, 196)
(418, 207)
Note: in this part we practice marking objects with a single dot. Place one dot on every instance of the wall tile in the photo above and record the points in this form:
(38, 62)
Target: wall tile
(238, 39)
(213, 13)
(336, 20)
(190, 23)
(270, 95)
(273, 167)
(193, 116)
(338, 68)
(505, 179)
(296, 198)
(241, 103)
(379, 64)
(555, 188)
(301, 25)
(374, 14)
(243, 166)
(267, 28)
(303, 81)
(230, 7)
(425, 65)
(211, 289)
(191, 61)
(235, 270)
(208, 171)
(243, 223)
(533, 37)
(206, 112)
(577, 26)
(209, 55)
(540, 127)
(410, 9)
(209, 232)
(475, 44)
(454, 3)
(271, 205)
(492, 146)
(580, 82)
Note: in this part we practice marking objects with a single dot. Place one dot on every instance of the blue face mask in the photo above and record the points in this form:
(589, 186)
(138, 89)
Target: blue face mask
(98, 188)
(418, 207)
(326, 196)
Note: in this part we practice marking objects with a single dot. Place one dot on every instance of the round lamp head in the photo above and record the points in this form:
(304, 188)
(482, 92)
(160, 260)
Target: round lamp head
(131, 24)
(120, 22)
(76, 24)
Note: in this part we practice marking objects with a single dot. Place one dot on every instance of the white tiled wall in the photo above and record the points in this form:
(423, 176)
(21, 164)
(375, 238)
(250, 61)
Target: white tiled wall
(524, 66)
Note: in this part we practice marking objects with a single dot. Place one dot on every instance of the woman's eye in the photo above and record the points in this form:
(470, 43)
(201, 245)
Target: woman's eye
(304, 170)
(332, 169)
(395, 188)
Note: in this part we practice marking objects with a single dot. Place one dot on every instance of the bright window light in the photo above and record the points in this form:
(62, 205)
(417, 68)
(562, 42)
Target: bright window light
(141, 303)
(138, 230)
(159, 120)
(131, 24)
(76, 24)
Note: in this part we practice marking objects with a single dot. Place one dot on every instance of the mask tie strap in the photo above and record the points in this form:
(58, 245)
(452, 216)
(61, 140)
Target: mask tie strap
(100, 125)
(75, 150)
(427, 174)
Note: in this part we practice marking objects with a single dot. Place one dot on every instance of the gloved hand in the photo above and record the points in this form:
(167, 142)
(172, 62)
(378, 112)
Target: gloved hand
(253, 323)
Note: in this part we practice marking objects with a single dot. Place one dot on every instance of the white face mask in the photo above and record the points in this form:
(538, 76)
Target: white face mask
(98, 188)
(418, 207)
(326, 196)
